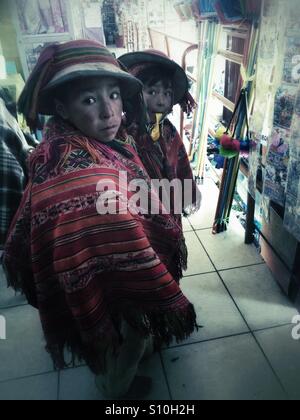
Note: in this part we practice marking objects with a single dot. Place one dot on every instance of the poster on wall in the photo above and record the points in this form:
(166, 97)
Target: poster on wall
(253, 164)
(41, 17)
(292, 214)
(295, 136)
(292, 208)
(277, 165)
(32, 52)
(92, 20)
(276, 109)
(291, 72)
(285, 104)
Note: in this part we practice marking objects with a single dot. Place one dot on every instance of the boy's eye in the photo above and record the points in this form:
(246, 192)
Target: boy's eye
(169, 93)
(115, 95)
(152, 92)
(89, 101)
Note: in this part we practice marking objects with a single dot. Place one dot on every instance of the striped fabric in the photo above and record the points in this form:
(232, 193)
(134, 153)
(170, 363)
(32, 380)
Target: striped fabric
(86, 272)
(167, 159)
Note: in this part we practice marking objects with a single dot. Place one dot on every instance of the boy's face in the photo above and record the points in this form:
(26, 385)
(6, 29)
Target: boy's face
(95, 107)
(158, 99)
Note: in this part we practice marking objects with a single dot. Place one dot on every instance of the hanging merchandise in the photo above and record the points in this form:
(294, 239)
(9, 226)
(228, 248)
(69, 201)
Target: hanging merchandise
(229, 11)
(230, 149)
(209, 39)
(207, 8)
(230, 146)
(241, 134)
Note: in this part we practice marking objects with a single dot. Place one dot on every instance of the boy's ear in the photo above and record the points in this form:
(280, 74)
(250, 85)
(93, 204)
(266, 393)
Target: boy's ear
(61, 110)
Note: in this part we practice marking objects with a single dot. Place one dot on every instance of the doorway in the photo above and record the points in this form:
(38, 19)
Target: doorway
(110, 22)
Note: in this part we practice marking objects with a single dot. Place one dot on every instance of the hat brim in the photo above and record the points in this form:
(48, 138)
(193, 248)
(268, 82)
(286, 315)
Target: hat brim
(180, 79)
(129, 85)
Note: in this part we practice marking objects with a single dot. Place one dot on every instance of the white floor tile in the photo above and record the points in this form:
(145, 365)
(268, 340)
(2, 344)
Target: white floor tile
(228, 369)
(79, 383)
(205, 217)
(258, 296)
(215, 309)
(228, 250)
(187, 227)
(23, 352)
(198, 261)
(35, 388)
(152, 367)
(283, 352)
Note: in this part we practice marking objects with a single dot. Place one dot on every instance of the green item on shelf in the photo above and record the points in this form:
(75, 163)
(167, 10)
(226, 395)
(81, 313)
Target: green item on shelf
(229, 154)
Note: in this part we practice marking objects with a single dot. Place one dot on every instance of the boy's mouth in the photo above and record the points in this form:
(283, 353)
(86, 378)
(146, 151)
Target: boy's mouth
(111, 128)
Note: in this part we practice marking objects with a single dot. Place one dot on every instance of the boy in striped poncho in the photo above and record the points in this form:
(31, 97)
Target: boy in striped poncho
(100, 280)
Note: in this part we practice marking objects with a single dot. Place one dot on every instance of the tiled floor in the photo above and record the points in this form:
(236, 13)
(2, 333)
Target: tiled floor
(245, 349)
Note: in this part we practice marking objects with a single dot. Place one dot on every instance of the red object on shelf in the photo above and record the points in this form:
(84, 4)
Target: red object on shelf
(229, 143)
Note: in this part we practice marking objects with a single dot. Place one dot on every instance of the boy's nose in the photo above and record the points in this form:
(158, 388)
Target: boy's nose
(105, 110)
(162, 100)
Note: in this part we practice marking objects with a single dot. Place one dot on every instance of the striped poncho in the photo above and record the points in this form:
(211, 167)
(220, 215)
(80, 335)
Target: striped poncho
(86, 272)
(167, 159)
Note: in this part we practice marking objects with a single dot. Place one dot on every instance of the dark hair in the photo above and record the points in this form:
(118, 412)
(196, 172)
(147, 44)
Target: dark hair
(154, 74)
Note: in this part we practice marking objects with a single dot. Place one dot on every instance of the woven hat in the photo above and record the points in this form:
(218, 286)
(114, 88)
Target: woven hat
(59, 64)
(137, 61)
